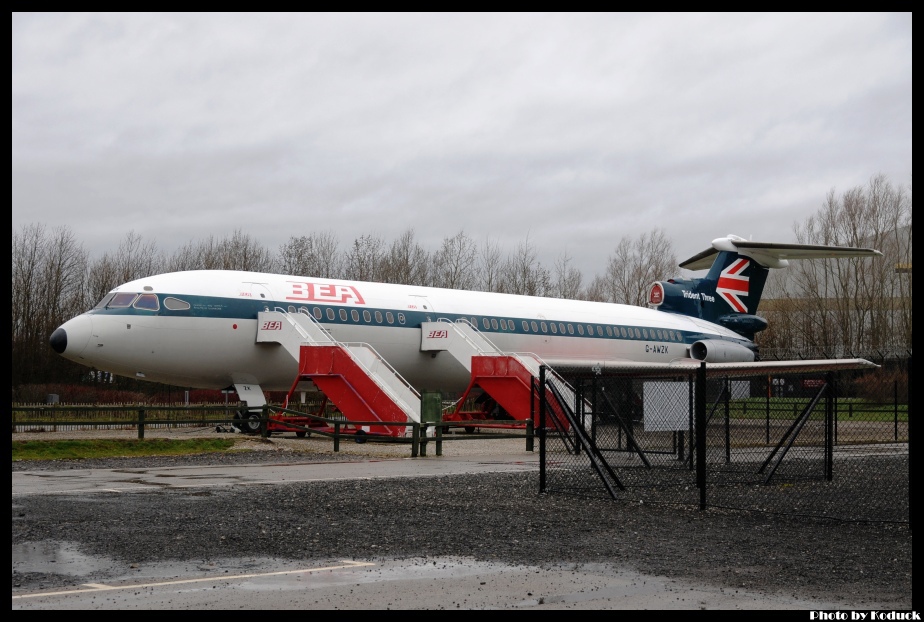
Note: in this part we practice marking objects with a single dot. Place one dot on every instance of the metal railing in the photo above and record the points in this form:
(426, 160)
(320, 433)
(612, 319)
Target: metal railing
(142, 417)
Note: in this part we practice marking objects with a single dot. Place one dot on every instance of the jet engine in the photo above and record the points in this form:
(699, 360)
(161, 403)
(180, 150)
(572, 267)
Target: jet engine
(719, 351)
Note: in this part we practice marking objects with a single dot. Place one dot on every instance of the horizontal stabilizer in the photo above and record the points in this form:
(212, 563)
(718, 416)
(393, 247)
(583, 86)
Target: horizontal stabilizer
(770, 254)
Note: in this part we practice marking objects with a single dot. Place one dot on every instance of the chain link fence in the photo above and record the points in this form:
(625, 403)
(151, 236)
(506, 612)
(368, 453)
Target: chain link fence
(821, 443)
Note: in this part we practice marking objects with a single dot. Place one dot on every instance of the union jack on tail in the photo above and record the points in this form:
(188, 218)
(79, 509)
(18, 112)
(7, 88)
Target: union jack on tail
(729, 293)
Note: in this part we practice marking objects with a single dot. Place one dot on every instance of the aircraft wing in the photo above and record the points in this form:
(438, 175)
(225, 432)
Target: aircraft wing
(771, 254)
(686, 366)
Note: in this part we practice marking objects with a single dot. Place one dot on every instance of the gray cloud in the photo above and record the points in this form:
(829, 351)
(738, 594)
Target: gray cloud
(575, 129)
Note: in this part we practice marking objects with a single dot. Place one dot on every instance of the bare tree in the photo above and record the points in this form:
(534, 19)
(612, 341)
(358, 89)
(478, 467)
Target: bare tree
(635, 265)
(136, 258)
(314, 255)
(48, 273)
(596, 290)
(490, 267)
(454, 264)
(243, 252)
(365, 259)
(856, 304)
(102, 276)
(524, 274)
(238, 251)
(568, 279)
(184, 258)
(407, 262)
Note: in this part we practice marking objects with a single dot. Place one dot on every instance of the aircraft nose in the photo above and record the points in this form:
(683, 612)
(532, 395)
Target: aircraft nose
(58, 340)
(70, 339)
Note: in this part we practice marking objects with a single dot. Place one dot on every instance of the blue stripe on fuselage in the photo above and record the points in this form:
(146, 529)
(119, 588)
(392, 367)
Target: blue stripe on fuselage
(243, 309)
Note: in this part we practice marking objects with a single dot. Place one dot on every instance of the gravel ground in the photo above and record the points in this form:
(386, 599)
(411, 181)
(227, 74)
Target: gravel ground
(492, 517)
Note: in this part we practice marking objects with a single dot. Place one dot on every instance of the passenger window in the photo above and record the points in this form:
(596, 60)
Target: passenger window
(378, 317)
(525, 326)
(330, 313)
(317, 313)
(580, 329)
(355, 315)
(400, 318)
(486, 323)
(292, 309)
(148, 302)
(494, 323)
(609, 331)
(553, 327)
(534, 326)
(570, 329)
(503, 324)
(367, 317)
(175, 304)
(544, 326)
(343, 315)
(599, 331)
(389, 317)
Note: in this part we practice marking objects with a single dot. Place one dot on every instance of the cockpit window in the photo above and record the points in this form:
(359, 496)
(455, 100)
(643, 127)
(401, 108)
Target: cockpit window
(102, 303)
(148, 302)
(175, 304)
(121, 300)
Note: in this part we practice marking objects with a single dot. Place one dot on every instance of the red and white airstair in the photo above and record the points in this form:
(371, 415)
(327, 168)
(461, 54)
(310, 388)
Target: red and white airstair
(363, 386)
(509, 378)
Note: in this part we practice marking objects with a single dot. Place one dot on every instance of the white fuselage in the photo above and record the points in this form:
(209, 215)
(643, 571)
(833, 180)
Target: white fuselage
(198, 328)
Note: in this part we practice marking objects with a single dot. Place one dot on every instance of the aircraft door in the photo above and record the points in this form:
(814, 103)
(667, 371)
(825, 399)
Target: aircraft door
(261, 293)
(422, 304)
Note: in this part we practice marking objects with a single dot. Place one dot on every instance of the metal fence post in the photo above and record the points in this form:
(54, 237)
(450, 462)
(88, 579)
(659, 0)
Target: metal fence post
(542, 426)
(895, 407)
(415, 439)
(701, 434)
(829, 427)
(727, 421)
(767, 407)
(264, 422)
(140, 424)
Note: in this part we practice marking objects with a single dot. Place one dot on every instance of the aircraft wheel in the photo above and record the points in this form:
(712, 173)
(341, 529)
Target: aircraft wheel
(251, 424)
(300, 433)
(469, 429)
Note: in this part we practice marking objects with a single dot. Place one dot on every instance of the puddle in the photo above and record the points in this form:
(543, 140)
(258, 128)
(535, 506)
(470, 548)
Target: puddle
(57, 558)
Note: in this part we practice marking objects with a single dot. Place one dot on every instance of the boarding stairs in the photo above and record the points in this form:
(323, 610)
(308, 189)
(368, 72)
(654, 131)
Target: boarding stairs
(353, 376)
(509, 378)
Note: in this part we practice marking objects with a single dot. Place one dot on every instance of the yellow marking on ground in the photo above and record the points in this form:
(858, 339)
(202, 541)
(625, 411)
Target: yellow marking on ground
(99, 587)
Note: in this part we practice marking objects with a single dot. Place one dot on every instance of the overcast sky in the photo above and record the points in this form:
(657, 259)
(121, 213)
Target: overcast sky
(576, 130)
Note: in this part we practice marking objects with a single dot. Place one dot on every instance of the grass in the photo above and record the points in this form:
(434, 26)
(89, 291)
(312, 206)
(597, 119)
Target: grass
(115, 448)
(788, 408)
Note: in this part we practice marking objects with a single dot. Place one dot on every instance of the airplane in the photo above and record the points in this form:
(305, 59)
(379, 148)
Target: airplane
(214, 329)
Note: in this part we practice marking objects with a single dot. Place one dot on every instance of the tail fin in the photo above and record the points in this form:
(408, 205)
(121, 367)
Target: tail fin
(730, 292)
